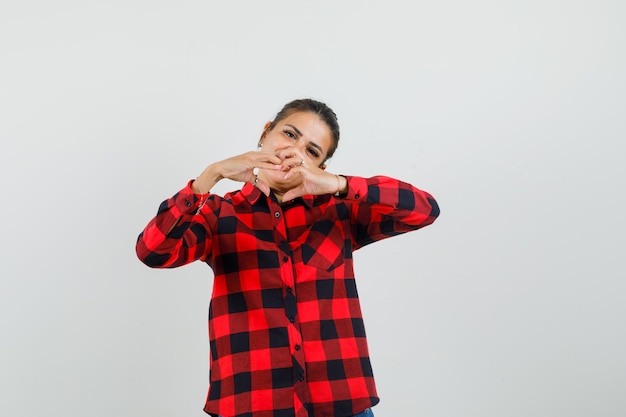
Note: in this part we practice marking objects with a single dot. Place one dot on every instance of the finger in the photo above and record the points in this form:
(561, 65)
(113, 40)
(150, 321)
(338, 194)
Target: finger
(290, 154)
(292, 163)
(268, 157)
(293, 194)
(268, 165)
(293, 171)
(286, 153)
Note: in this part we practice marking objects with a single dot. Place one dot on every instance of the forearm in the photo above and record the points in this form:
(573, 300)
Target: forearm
(171, 238)
(207, 179)
(382, 207)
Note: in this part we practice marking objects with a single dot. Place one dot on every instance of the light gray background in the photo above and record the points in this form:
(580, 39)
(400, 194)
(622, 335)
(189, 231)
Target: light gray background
(512, 113)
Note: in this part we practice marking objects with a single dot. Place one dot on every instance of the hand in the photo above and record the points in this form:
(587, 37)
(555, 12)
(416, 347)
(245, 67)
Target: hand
(238, 168)
(315, 180)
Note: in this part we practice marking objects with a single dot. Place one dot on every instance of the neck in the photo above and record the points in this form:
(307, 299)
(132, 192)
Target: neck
(275, 188)
(278, 195)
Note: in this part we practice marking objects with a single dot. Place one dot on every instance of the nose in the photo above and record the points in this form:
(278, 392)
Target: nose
(301, 145)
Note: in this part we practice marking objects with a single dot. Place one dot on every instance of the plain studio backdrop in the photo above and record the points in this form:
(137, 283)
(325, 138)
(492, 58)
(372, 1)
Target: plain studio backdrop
(511, 113)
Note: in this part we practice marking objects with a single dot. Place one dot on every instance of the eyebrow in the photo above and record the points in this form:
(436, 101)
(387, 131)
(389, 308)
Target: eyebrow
(315, 145)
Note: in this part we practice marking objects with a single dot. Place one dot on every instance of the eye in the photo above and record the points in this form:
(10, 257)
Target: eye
(313, 152)
(290, 134)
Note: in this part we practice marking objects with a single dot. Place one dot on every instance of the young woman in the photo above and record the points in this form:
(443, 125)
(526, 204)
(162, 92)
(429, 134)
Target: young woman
(285, 326)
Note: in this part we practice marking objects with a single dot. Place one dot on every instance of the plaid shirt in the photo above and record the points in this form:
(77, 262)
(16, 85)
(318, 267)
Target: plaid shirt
(285, 326)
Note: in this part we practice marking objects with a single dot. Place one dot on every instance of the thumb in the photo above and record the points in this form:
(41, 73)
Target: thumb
(293, 193)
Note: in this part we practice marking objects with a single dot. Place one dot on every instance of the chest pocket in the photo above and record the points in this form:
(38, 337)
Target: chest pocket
(324, 246)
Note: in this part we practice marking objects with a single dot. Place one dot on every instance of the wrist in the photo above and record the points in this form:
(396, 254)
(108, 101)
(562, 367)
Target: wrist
(342, 186)
(207, 180)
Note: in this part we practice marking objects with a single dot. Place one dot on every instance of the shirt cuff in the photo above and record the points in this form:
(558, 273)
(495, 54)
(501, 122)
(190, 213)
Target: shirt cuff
(357, 188)
(186, 200)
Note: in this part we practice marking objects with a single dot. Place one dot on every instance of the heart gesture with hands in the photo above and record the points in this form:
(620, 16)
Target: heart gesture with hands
(290, 161)
(311, 179)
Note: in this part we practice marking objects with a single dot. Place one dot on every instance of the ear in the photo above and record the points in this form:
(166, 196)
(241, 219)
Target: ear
(265, 127)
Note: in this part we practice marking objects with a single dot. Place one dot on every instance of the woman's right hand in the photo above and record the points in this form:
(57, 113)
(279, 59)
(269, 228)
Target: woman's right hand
(239, 168)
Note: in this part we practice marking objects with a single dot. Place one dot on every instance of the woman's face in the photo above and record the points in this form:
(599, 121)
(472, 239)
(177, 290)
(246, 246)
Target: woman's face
(301, 134)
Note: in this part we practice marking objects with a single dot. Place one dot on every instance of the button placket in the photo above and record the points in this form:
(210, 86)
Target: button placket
(290, 305)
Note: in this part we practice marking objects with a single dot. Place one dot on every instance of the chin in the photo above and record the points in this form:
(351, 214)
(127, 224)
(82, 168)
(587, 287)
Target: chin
(276, 182)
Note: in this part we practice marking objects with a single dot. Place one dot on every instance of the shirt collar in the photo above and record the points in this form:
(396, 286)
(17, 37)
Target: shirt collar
(251, 193)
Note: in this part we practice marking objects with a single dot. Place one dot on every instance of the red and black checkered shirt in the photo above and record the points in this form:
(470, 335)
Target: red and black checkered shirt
(285, 326)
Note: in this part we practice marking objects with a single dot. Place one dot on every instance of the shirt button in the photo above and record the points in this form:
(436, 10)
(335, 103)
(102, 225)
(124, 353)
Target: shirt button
(289, 290)
(277, 214)
(297, 347)
(292, 320)
(301, 378)
(356, 196)
(188, 203)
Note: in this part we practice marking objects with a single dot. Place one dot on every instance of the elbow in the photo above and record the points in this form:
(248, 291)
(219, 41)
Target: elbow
(148, 257)
(153, 260)
(434, 209)
(428, 214)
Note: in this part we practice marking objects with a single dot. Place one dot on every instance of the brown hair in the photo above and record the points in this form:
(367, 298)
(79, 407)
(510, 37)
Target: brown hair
(325, 113)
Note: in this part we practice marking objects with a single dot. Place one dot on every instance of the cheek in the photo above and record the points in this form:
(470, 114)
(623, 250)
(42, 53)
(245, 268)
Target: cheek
(277, 179)
(277, 143)
(284, 142)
